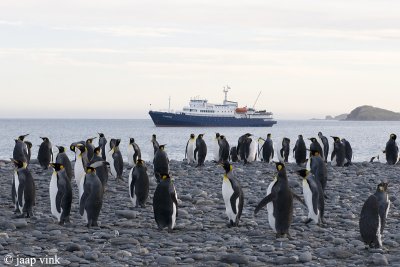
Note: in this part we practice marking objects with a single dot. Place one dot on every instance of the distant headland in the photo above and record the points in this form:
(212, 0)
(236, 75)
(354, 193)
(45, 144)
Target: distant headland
(367, 113)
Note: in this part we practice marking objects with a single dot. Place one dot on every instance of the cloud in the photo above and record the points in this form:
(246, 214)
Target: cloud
(11, 23)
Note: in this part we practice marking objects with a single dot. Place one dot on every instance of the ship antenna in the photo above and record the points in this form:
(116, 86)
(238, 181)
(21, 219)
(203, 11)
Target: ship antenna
(257, 99)
(169, 104)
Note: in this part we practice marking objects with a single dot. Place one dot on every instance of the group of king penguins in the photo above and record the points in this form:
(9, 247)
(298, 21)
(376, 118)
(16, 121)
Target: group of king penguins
(91, 175)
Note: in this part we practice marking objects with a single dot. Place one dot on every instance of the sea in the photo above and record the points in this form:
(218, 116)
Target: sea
(367, 139)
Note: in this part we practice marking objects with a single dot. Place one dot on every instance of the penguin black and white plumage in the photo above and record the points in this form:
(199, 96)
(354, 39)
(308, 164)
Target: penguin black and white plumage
(155, 143)
(318, 168)
(216, 147)
(24, 190)
(189, 151)
(90, 148)
(91, 200)
(224, 149)
(134, 152)
(250, 149)
(339, 152)
(200, 152)
(102, 170)
(392, 150)
(20, 151)
(63, 159)
(233, 155)
(80, 164)
(60, 192)
(45, 154)
(160, 162)
(241, 148)
(283, 150)
(232, 194)
(115, 159)
(28, 151)
(324, 141)
(165, 203)
(300, 151)
(315, 145)
(280, 213)
(138, 184)
(373, 216)
(348, 152)
(268, 149)
(102, 145)
(313, 196)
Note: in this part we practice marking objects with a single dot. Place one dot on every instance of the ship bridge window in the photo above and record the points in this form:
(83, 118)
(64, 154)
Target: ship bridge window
(193, 110)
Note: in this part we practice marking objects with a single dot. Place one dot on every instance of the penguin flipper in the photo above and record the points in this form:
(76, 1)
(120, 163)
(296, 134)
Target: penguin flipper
(82, 202)
(298, 198)
(172, 193)
(264, 202)
(233, 199)
(59, 198)
(132, 185)
(21, 191)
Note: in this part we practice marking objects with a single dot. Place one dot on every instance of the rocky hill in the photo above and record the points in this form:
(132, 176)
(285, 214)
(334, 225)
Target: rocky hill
(370, 113)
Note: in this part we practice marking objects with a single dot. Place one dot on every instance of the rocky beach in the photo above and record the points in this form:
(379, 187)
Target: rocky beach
(129, 236)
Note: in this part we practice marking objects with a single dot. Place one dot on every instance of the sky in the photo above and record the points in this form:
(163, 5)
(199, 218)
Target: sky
(120, 58)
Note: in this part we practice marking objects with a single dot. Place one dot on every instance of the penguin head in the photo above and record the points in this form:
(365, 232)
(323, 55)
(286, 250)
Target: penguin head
(45, 139)
(90, 170)
(335, 138)
(81, 147)
(100, 135)
(227, 166)
(279, 166)
(57, 166)
(248, 134)
(164, 176)
(314, 153)
(382, 187)
(319, 134)
(200, 136)
(300, 136)
(162, 147)
(393, 136)
(140, 162)
(312, 139)
(153, 137)
(22, 137)
(217, 135)
(222, 137)
(28, 144)
(131, 140)
(269, 135)
(303, 173)
(97, 151)
(19, 164)
(61, 149)
(117, 142)
(192, 136)
(90, 140)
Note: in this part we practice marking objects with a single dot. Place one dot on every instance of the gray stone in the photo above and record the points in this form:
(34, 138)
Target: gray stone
(20, 223)
(234, 258)
(128, 214)
(305, 257)
(73, 247)
(166, 260)
(379, 259)
(124, 241)
(91, 256)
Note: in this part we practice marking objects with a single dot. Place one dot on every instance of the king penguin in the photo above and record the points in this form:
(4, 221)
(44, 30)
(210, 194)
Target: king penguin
(339, 152)
(91, 200)
(268, 149)
(20, 149)
(134, 152)
(160, 162)
(216, 148)
(60, 192)
(190, 146)
(315, 145)
(324, 141)
(155, 143)
(348, 152)
(232, 194)
(200, 152)
(79, 167)
(90, 148)
(102, 145)
(318, 168)
(223, 149)
(45, 155)
(373, 217)
(300, 151)
(392, 150)
(240, 146)
(24, 192)
(115, 160)
(29, 151)
(165, 203)
(63, 159)
(313, 196)
(283, 150)
(280, 213)
(102, 170)
(233, 155)
(138, 184)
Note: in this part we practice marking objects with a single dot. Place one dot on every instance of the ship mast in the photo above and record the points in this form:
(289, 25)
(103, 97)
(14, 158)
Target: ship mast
(226, 90)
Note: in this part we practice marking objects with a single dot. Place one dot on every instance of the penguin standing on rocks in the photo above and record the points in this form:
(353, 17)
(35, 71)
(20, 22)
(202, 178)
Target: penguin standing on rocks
(268, 149)
(91, 200)
(318, 168)
(315, 145)
(250, 149)
(216, 147)
(45, 155)
(348, 151)
(102, 145)
(300, 151)
(60, 192)
(115, 159)
(233, 155)
(160, 162)
(190, 146)
(324, 141)
(233, 196)
(200, 151)
(139, 184)
(241, 148)
(165, 203)
(90, 148)
(155, 143)
(24, 190)
(63, 159)
(80, 163)
(339, 152)
(373, 217)
(223, 149)
(102, 170)
(391, 150)
(313, 196)
(134, 152)
(280, 213)
(29, 151)
(283, 150)
(20, 151)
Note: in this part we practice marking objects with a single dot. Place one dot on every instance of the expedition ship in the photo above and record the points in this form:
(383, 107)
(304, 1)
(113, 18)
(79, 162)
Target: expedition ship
(200, 113)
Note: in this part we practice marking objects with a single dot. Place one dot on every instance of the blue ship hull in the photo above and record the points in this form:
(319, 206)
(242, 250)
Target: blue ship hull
(167, 119)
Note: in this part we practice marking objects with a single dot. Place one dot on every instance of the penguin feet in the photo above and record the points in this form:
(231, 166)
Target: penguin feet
(308, 221)
(61, 223)
(169, 229)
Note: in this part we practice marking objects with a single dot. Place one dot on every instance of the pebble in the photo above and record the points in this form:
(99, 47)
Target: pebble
(166, 260)
(379, 259)
(234, 258)
(305, 257)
